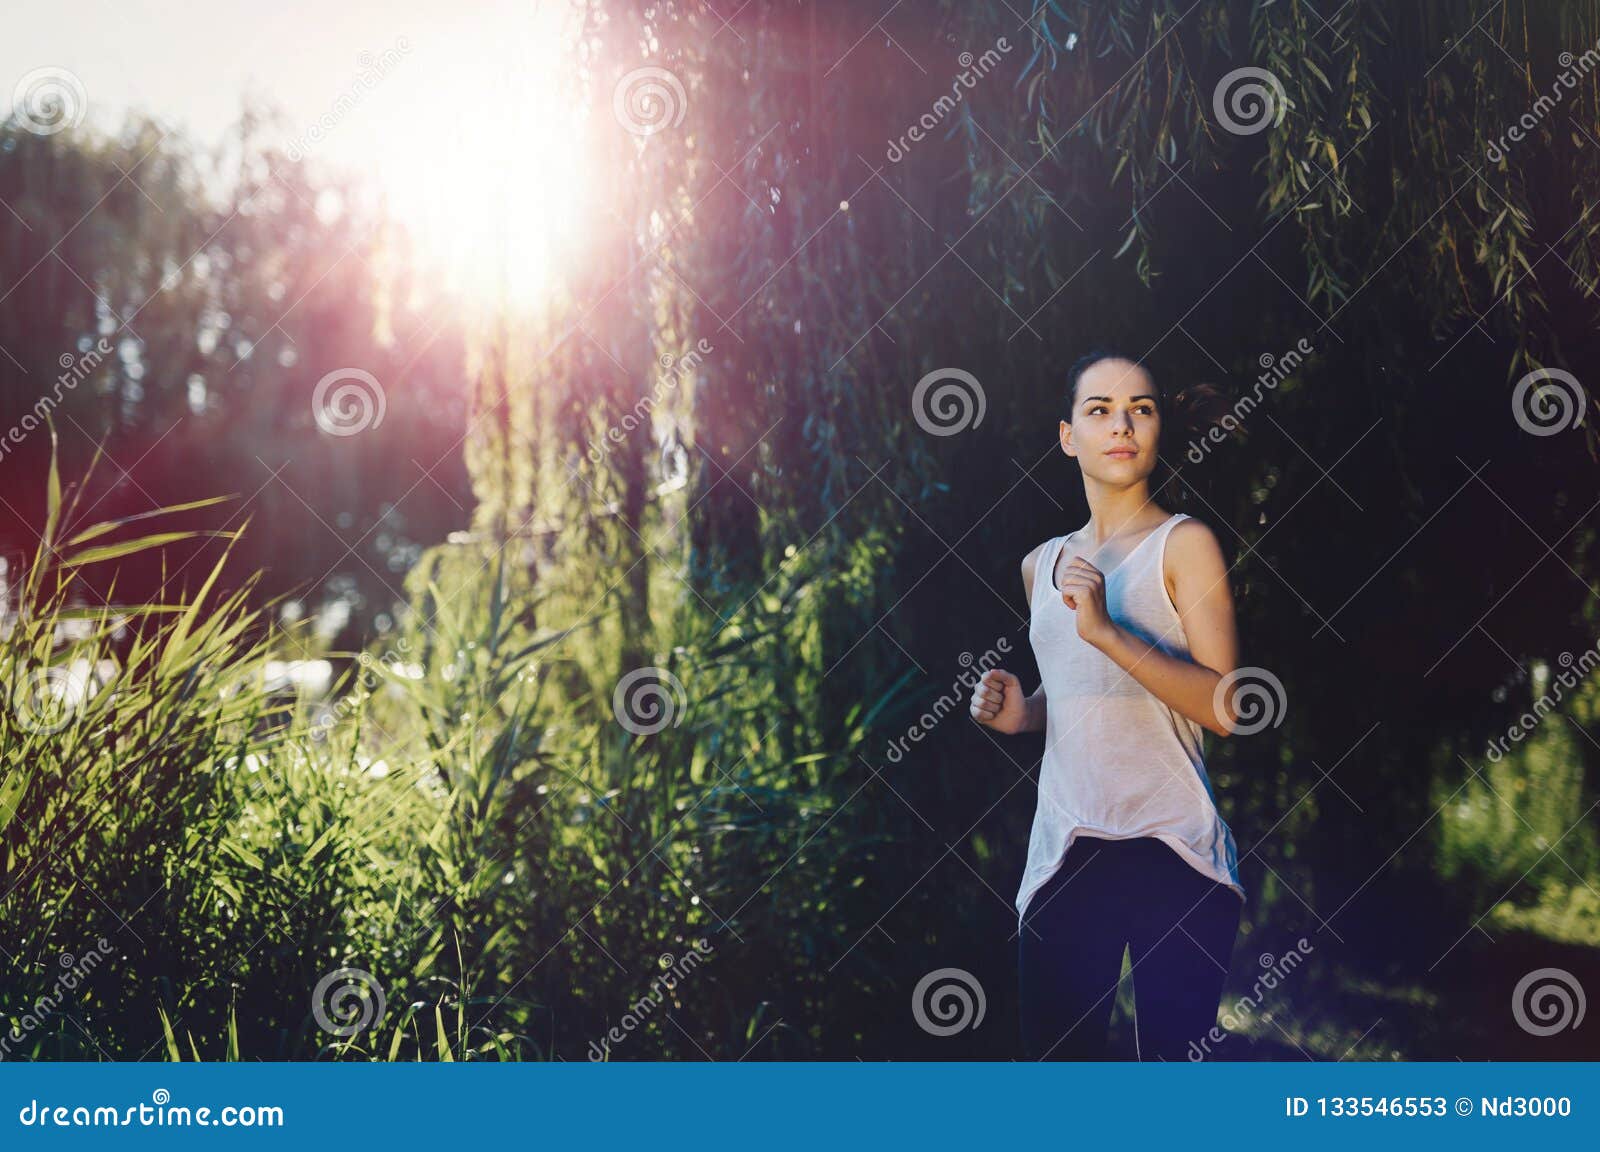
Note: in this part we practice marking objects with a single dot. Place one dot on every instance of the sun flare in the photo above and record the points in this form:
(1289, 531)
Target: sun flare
(481, 158)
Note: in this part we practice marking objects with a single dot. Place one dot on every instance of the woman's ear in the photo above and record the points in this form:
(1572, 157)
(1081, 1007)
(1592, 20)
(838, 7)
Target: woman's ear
(1066, 439)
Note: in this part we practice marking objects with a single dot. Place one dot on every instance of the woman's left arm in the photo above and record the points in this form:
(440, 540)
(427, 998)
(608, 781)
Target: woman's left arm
(1199, 586)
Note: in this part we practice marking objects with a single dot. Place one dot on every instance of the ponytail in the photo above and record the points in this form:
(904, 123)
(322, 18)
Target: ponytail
(1194, 412)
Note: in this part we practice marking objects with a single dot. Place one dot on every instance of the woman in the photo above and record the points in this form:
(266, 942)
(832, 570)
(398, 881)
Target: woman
(1133, 628)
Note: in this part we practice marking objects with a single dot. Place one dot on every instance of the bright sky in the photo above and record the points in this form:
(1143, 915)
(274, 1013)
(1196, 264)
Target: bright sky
(458, 79)
(193, 63)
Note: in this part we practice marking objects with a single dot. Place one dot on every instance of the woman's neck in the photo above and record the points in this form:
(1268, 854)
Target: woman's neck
(1117, 512)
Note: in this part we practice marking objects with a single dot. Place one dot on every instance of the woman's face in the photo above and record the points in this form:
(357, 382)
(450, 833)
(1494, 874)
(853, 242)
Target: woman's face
(1116, 424)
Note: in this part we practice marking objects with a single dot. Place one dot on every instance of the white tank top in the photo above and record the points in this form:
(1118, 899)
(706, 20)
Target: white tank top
(1118, 762)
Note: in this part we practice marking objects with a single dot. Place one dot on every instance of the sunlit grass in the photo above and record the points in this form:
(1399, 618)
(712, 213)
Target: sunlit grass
(468, 823)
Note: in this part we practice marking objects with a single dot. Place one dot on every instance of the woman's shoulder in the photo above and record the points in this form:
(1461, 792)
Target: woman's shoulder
(1031, 562)
(1189, 529)
(1191, 541)
(1032, 558)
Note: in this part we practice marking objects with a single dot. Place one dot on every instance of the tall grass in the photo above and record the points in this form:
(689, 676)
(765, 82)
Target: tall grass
(470, 827)
(159, 795)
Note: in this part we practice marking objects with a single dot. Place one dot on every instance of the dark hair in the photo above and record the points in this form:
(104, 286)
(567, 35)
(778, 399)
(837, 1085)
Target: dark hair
(1189, 414)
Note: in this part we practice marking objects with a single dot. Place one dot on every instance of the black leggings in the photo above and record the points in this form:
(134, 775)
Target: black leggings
(1180, 925)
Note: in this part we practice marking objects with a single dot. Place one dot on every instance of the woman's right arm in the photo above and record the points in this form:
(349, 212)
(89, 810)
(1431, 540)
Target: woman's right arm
(998, 703)
(997, 699)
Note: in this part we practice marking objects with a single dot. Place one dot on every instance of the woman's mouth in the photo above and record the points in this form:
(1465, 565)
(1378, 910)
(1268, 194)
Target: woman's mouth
(1122, 453)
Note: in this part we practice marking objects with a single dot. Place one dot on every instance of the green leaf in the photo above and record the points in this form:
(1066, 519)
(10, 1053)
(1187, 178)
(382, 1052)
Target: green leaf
(244, 854)
(1132, 232)
(443, 1044)
(105, 526)
(173, 1051)
(140, 544)
(11, 792)
(319, 844)
(52, 495)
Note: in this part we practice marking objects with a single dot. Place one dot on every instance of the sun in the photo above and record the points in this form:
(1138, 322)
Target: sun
(480, 155)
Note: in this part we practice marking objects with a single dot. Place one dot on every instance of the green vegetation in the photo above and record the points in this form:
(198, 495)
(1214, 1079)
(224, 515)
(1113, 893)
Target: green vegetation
(472, 826)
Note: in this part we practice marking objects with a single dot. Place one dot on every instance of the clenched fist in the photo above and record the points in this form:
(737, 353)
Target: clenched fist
(998, 702)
